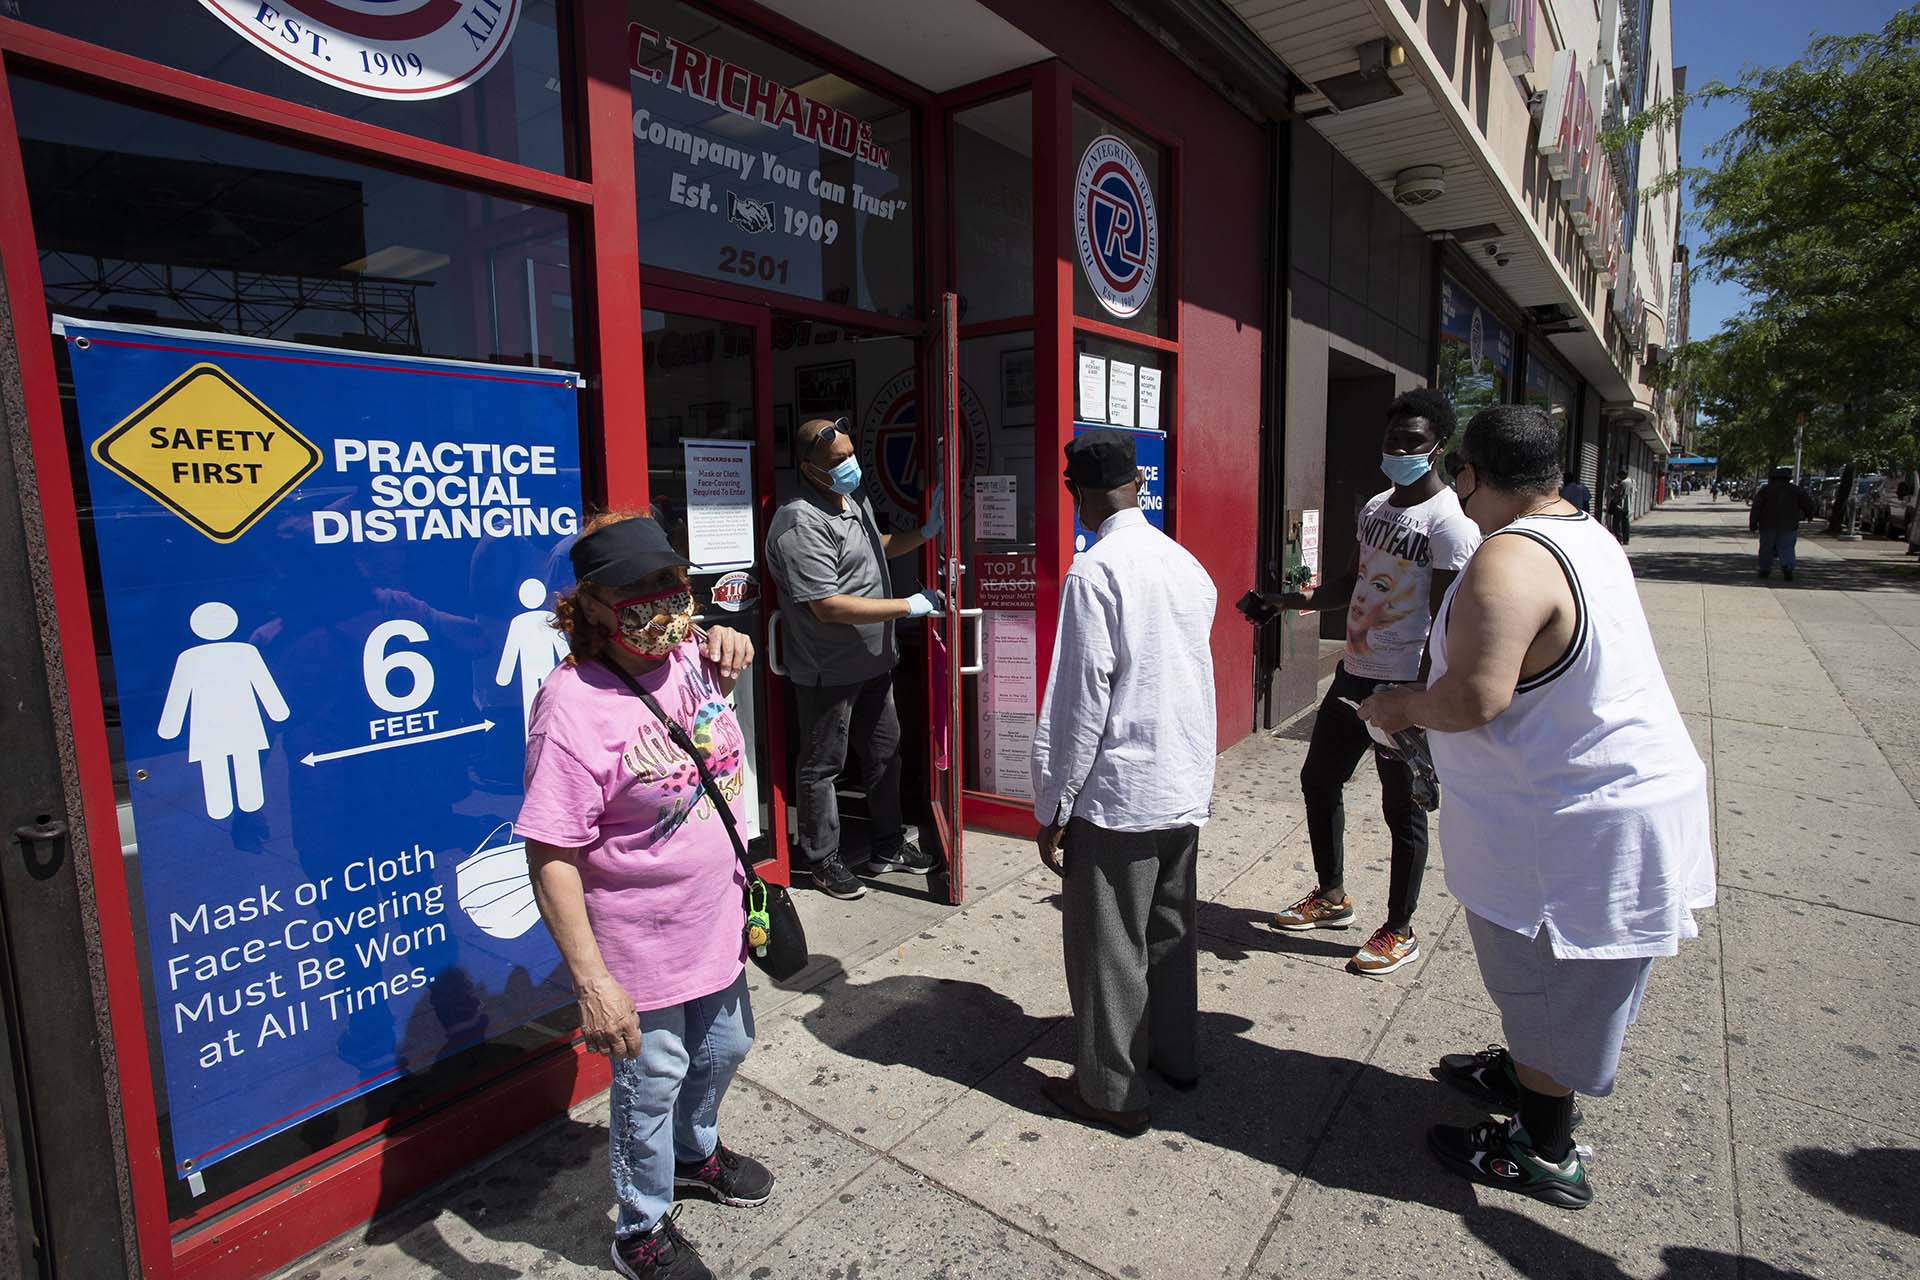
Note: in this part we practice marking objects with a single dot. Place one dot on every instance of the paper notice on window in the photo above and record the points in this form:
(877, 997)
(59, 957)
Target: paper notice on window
(995, 508)
(719, 505)
(1008, 702)
(1120, 394)
(1150, 399)
(1093, 389)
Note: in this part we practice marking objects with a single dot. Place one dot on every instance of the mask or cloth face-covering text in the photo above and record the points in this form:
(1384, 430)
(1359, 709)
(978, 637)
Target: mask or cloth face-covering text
(1405, 468)
(654, 626)
(844, 478)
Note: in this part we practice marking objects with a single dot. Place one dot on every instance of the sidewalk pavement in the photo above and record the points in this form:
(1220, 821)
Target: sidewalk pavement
(1766, 1124)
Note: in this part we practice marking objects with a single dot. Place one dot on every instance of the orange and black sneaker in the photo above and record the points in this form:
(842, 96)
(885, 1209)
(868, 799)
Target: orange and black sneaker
(1315, 911)
(1388, 949)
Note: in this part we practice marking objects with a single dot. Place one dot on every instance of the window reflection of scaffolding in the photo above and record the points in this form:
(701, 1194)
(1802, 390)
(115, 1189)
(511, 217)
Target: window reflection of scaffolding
(253, 303)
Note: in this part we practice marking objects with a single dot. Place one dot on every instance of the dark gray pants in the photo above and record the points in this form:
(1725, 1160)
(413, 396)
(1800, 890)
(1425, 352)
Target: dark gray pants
(832, 717)
(1132, 959)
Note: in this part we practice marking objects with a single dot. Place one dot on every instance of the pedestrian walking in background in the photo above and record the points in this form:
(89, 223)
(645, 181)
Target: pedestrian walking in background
(829, 559)
(1776, 514)
(637, 878)
(1576, 821)
(1578, 496)
(1412, 539)
(1123, 780)
(1620, 507)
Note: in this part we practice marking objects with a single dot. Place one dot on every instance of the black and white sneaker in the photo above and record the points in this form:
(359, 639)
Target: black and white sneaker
(831, 877)
(909, 858)
(660, 1254)
(725, 1176)
(1488, 1077)
(1498, 1153)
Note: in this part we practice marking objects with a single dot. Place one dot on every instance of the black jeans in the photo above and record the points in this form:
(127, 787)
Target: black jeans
(1618, 524)
(832, 717)
(1339, 740)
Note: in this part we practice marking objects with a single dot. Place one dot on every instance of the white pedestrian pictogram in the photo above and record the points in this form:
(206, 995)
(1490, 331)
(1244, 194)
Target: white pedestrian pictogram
(217, 693)
(533, 646)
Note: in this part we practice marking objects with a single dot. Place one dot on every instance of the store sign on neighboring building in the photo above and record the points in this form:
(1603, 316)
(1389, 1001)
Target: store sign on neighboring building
(1570, 141)
(1115, 226)
(1515, 24)
(404, 49)
(324, 653)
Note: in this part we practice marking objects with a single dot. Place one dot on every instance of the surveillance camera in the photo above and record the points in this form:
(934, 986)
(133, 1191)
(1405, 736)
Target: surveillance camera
(1502, 260)
(1493, 250)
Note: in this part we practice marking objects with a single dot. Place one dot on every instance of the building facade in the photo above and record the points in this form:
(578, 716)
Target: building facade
(325, 322)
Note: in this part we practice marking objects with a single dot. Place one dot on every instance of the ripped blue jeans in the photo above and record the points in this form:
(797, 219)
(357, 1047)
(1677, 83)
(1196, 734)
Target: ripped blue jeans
(665, 1104)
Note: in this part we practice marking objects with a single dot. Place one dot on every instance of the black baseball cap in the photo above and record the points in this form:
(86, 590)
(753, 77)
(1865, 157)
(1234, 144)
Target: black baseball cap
(1100, 460)
(621, 554)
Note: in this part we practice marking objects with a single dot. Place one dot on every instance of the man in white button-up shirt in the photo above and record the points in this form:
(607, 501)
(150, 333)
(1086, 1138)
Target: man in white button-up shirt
(1123, 779)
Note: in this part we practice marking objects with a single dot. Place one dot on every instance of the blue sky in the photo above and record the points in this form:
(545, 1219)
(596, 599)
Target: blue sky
(1717, 40)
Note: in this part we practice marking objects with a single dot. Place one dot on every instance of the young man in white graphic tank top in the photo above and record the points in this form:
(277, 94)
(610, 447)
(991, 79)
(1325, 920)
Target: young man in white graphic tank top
(1411, 540)
(1576, 818)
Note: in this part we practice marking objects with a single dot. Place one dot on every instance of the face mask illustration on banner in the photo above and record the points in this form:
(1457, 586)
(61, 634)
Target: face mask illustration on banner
(493, 888)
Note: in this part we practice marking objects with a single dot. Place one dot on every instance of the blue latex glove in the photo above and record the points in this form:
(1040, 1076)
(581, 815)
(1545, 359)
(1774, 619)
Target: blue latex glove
(922, 603)
(938, 519)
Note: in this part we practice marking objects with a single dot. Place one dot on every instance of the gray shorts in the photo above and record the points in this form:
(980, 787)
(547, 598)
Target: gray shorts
(1564, 1017)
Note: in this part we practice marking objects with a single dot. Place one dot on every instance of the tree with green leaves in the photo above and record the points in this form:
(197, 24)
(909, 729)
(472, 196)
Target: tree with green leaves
(1812, 205)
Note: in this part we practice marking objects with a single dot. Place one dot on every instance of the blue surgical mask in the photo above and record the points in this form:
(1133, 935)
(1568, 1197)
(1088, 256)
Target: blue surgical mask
(845, 478)
(1405, 468)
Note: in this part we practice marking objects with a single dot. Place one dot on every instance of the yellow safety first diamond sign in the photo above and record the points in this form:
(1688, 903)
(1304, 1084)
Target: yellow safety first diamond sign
(210, 452)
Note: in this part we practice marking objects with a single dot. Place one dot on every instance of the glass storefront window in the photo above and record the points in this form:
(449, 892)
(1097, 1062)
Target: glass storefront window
(1476, 352)
(498, 87)
(1139, 398)
(758, 168)
(997, 544)
(1119, 224)
(1550, 390)
(993, 209)
(144, 218)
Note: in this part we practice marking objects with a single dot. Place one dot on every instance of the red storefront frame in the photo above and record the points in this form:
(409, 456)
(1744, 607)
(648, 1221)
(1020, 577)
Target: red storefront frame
(332, 1190)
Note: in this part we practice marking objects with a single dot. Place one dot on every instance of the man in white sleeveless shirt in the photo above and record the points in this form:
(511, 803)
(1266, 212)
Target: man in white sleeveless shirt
(1575, 819)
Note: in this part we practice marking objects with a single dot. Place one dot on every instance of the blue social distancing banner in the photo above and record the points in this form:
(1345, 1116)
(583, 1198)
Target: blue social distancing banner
(327, 579)
(1150, 453)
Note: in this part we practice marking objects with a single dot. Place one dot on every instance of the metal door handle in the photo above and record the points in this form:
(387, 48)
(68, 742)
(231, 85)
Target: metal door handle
(43, 845)
(773, 644)
(978, 618)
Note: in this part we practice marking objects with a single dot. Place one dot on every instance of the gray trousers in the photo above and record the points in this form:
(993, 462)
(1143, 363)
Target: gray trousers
(1132, 959)
(832, 717)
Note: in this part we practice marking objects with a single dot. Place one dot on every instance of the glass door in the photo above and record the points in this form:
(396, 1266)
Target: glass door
(953, 638)
(710, 442)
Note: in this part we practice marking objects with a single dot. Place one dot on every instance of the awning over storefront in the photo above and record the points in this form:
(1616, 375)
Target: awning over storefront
(1692, 462)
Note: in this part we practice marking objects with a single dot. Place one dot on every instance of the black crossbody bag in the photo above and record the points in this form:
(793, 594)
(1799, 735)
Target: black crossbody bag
(776, 940)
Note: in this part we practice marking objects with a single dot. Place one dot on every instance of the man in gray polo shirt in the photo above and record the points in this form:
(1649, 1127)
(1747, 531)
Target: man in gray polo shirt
(829, 560)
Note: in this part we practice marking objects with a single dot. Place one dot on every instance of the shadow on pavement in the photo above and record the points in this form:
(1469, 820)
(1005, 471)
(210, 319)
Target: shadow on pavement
(1533, 1249)
(966, 1033)
(1739, 569)
(1880, 1184)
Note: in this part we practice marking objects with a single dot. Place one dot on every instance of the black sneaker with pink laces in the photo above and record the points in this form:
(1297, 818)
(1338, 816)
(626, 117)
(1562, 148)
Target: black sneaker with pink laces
(660, 1254)
(725, 1176)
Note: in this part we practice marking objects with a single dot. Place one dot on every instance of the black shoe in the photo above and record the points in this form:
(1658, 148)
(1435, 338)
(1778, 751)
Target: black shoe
(725, 1176)
(660, 1254)
(1488, 1077)
(1496, 1153)
(831, 877)
(1764, 573)
(909, 858)
(1787, 574)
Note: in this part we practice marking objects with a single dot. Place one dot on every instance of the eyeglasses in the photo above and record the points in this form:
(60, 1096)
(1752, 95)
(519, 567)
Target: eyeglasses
(839, 427)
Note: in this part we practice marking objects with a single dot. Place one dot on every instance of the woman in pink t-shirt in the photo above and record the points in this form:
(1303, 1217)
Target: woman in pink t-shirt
(638, 881)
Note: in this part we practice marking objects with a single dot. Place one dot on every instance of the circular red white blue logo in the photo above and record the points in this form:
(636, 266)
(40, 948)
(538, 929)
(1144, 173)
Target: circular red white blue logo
(1115, 226)
(405, 49)
(890, 445)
